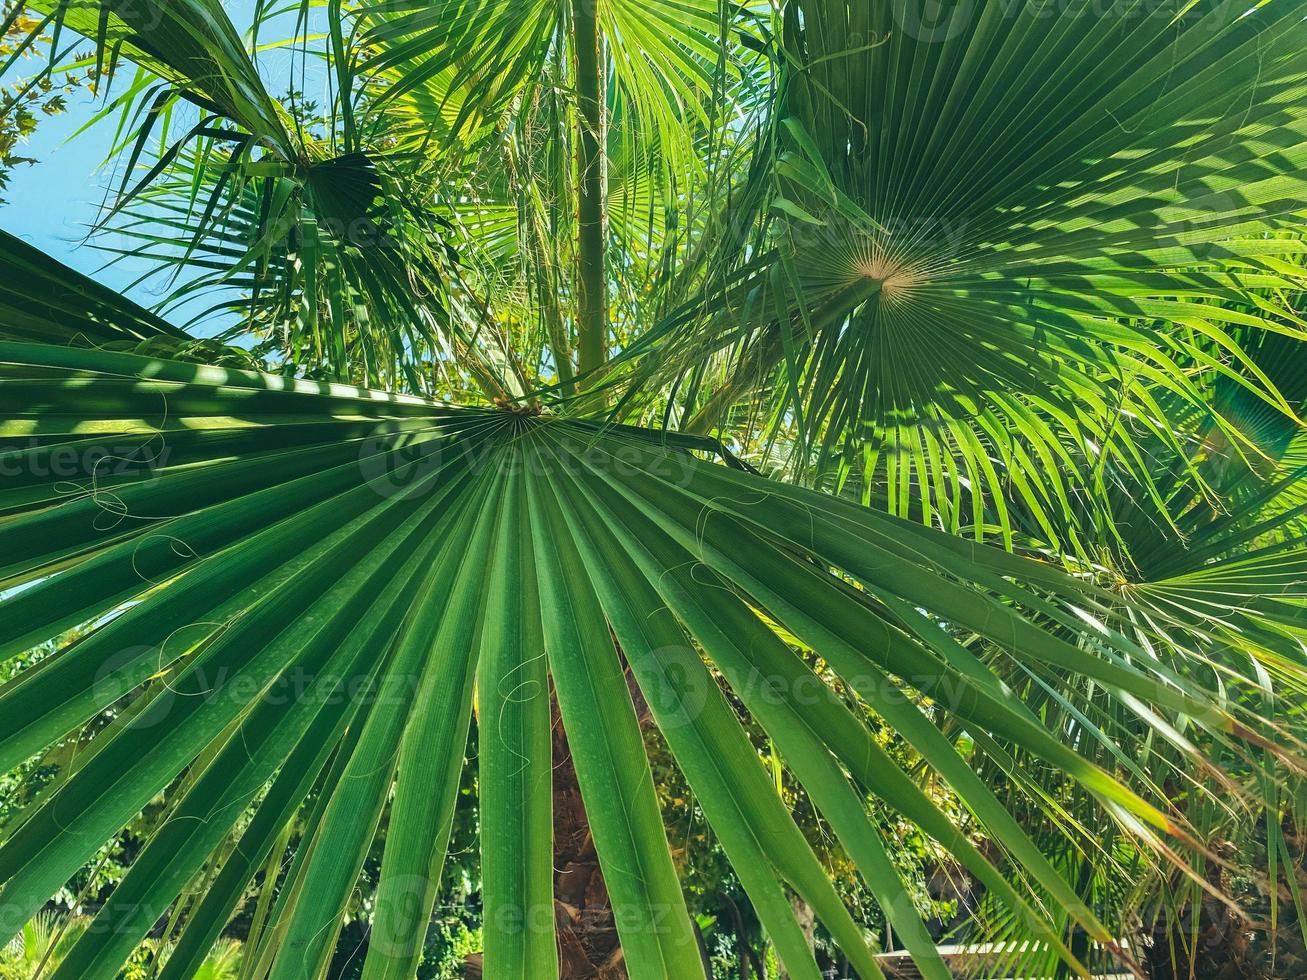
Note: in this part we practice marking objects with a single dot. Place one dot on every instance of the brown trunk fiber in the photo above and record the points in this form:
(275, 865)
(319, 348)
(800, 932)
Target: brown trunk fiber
(588, 946)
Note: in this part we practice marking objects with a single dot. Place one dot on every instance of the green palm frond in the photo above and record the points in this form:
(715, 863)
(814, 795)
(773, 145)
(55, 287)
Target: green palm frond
(291, 599)
(1000, 274)
(41, 943)
(329, 253)
(1000, 239)
(42, 299)
(326, 224)
(667, 57)
(508, 140)
(191, 44)
(344, 270)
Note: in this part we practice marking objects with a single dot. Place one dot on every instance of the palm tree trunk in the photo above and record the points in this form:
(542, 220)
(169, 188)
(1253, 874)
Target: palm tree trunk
(588, 947)
(591, 281)
(807, 919)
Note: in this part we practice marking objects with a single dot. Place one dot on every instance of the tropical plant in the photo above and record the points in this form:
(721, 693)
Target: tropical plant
(41, 941)
(1007, 275)
(23, 105)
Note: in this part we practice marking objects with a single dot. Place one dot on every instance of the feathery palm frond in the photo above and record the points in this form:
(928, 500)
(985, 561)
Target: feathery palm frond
(190, 44)
(495, 88)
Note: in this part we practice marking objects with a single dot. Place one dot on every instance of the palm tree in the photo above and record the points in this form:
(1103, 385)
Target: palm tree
(529, 302)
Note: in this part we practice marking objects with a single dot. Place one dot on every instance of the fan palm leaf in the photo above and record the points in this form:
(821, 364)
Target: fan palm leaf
(665, 56)
(992, 271)
(41, 299)
(294, 598)
(1002, 237)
